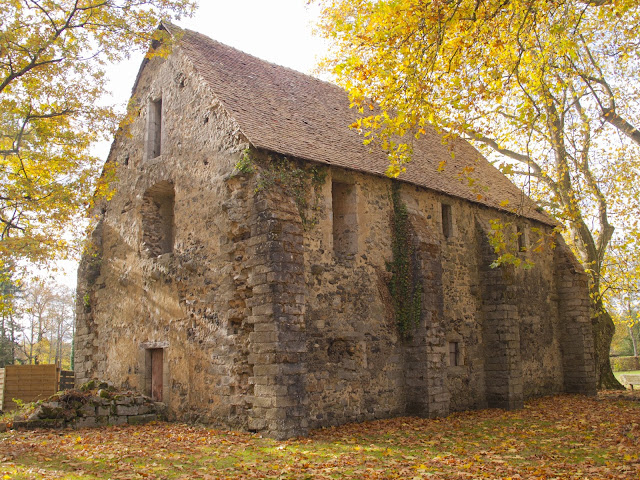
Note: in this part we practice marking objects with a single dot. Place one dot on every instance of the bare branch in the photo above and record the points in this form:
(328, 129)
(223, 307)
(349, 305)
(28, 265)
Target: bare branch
(506, 152)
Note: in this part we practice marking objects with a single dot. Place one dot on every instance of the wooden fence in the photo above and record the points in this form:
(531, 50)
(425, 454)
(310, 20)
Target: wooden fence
(31, 382)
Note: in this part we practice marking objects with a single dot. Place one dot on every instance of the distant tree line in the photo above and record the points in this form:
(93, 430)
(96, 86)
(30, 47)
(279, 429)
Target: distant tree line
(36, 324)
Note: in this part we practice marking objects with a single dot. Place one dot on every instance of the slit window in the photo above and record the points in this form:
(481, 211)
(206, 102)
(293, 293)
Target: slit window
(454, 354)
(447, 221)
(345, 219)
(154, 129)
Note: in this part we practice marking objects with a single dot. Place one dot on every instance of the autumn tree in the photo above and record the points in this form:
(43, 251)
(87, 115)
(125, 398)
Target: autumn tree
(546, 88)
(45, 317)
(61, 323)
(621, 278)
(52, 80)
(9, 292)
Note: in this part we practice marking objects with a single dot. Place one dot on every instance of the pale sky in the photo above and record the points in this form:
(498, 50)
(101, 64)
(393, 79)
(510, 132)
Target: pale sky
(279, 31)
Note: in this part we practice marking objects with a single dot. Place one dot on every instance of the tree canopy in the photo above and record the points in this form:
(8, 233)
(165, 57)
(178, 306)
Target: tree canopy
(53, 57)
(546, 88)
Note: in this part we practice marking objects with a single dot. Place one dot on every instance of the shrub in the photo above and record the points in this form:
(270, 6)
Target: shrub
(625, 364)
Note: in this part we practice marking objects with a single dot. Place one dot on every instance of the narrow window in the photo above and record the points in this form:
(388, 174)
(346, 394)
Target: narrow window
(154, 129)
(523, 241)
(454, 354)
(447, 222)
(345, 219)
(157, 219)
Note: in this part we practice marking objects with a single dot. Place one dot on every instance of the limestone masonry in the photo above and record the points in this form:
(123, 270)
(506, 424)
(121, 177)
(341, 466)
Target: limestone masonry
(240, 272)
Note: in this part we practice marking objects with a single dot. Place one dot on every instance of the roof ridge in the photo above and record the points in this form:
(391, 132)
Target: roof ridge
(282, 110)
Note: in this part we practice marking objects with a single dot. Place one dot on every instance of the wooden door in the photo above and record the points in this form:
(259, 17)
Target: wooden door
(156, 374)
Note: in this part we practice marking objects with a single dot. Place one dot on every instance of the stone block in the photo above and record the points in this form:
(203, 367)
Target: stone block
(85, 422)
(259, 370)
(123, 400)
(271, 347)
(42, 423)
(117, 420)
(266, 309)
(127, 410)
(269, 390)
(263, 402)
(87, 410)
(141, 419)
(263, 337)
(256, 424)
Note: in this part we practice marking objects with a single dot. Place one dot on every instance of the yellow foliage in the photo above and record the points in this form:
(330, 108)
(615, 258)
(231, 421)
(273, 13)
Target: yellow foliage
(52, 77)
(547, 87)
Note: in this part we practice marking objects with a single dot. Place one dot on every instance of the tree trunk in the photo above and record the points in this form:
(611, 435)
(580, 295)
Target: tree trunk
(13, 339)
(634, 342)
(603, 330)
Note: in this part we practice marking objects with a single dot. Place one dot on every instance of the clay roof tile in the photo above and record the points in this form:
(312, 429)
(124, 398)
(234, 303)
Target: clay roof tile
(285, 111)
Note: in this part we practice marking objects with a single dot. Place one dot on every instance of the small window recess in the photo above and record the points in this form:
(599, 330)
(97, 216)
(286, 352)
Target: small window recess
(345, 219)
(455, 358)
(154, 129)
(158, 204)
(523, 238)
(447, 220)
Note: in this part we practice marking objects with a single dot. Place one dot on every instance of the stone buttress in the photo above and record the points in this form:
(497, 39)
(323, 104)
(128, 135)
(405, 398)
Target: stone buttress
(277, 345)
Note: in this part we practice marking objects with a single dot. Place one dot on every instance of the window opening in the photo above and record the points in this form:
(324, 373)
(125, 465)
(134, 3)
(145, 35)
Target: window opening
(522, 238)
(454, 354)
(154, 131)
(158, 205)
(345, 219)
(447, 222)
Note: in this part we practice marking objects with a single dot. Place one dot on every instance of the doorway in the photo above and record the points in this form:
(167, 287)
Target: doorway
(157, 359)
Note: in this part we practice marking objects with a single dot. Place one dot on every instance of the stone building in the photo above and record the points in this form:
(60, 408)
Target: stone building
(240, 272)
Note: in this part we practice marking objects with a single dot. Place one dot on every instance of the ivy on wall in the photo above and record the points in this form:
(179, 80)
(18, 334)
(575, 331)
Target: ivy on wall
(405, 284)
(295, 179)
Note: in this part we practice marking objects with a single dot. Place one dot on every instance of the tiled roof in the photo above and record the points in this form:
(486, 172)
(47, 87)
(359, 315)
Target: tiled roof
(284, 111)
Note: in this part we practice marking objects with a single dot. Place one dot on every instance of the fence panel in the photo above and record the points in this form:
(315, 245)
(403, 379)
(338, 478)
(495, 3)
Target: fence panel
(67, 380)
(1, 388)
(28, 383)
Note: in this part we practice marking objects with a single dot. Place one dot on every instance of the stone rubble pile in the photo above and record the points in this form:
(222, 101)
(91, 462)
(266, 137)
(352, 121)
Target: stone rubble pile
(95, 404)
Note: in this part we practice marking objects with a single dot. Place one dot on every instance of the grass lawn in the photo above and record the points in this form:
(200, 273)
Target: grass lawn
(561, 437)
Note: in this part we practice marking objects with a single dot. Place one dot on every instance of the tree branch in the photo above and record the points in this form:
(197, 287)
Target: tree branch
(610, 116)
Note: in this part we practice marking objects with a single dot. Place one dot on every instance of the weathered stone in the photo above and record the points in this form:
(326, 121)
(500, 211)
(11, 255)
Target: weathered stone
(127, 410)
(103, 411)
(124, 400)
(116, 420)
(86, 422)
(41, 423)
(141, 419)
(87, 410)
(267, 307)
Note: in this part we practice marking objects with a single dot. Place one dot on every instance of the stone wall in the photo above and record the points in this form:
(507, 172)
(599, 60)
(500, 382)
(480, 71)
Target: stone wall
(189, 301)
(271, 308)
(578, 357)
